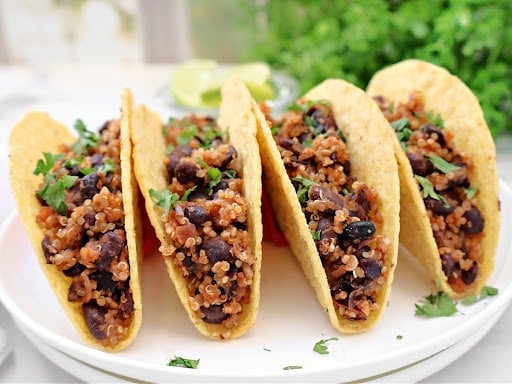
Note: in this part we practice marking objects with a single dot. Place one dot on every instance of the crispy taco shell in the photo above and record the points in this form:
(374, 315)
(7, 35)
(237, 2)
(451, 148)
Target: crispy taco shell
(37, 133)
(369, 143)
(444, 94)
(149, 150)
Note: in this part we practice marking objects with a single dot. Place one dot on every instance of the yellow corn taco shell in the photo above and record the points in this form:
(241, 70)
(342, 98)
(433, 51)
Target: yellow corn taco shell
(37, 133)
(444, 94)
(149, 151)
(370, 146)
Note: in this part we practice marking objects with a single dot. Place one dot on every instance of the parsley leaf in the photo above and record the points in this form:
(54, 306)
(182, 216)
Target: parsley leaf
(164, 199)
(86, 138)
(289, 367)
(436, 305)
(108, 166)
(213, 173)
(321, 347)
(183, 362)
(470, 192)
(427, 188)
(486, 291)
(402, 130)
(44, 166)
(54, 192)
(302, 192)
(187, 134)
(441, 164)
(437, 120)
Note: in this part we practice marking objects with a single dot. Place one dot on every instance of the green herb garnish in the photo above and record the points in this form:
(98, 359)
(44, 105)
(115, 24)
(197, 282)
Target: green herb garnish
(86, 138)
(187, 134)
(164, 199)
(302, 192)
(288, 367)
(470, 192)
(183, 362)
(486, 291)
(441, 164)
(436, 305)
(109, 165)
(437, 120)
(44, 166)
(321, 347)
(301, 106)
(399, 337)
(54, 191)
(428, 188)
(402, 130)
(214, 174)
(316, 235)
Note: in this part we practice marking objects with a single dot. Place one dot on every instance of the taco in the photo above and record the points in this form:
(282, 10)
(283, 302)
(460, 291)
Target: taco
(448, 175)
(201, 180)
(329, 167)
(78, 203)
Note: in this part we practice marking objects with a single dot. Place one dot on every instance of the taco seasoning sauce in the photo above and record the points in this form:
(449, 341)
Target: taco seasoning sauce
(341, 211)
(443, 176)
(83, 219)
(207, 223)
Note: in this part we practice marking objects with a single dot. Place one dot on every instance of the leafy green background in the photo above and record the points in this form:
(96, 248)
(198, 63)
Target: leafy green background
(317, 39)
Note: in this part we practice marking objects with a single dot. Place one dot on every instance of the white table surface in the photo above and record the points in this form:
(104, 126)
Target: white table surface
(92, 93)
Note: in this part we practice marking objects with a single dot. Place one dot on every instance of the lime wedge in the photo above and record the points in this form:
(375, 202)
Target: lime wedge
(190, 79)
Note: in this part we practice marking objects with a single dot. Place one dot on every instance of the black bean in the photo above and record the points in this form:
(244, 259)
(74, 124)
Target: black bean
(96, 160)
(324, 223)
(420, 165)
(95, 319)
(354, 296)
(361, 249)
(48, 248)
(104, 281)
(460, 176)
(198, 195)
(285, 143)
(371, 268)
(317, 192)
(447, 264)
(221, 185)
(213, 314)
(438, 206)
(196, 214)
(474, 223)
(175, 156)
(305, 136)
(75, 270)
(361, 198)
(470, 275)
(126, 302)
(228, 157)
(217, 250)
(111, 246)
(90, 219)
(185, 172)
(431, 129)
(358, 230)
(328, 234)
(84, 189)
(319, 119)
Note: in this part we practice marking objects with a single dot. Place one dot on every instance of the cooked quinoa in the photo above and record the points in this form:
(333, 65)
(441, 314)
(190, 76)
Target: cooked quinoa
(457, 223)
(84, 230)
(341, 211)
(207, 221)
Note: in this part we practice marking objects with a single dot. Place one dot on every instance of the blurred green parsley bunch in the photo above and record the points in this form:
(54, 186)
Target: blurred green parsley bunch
(317, 39)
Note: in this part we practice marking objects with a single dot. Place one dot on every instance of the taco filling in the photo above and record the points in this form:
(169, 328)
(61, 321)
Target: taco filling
(205, 218)
(443, 176)
(341, 212)
(83, 219)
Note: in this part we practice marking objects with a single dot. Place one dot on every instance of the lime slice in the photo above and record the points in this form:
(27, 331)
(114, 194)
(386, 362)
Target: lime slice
(190, 79)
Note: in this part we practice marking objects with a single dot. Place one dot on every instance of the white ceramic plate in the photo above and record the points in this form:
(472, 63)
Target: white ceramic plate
(289, 323)
(408, 374)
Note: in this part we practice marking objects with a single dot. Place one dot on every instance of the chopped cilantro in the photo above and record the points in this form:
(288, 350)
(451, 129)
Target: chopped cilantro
(182, 362)
(54, 191)
(321, 347)
(275, 130)
(486, 291)
(437, 120)
(214, 174)
(169, 149)
(187, 193)
(470, 192)
(316, 235)
(44, 166)
(164, 199)
(310, 122)
(230, 173)
(86, 138)
(187, 134)
(302, 192)
(402, 130)
(109, 165)
(436, 305)
(427, 188)
(441, 164)
(342, 136)
(399, 337)
(301, 106)
(288, 367)
(85, 171)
